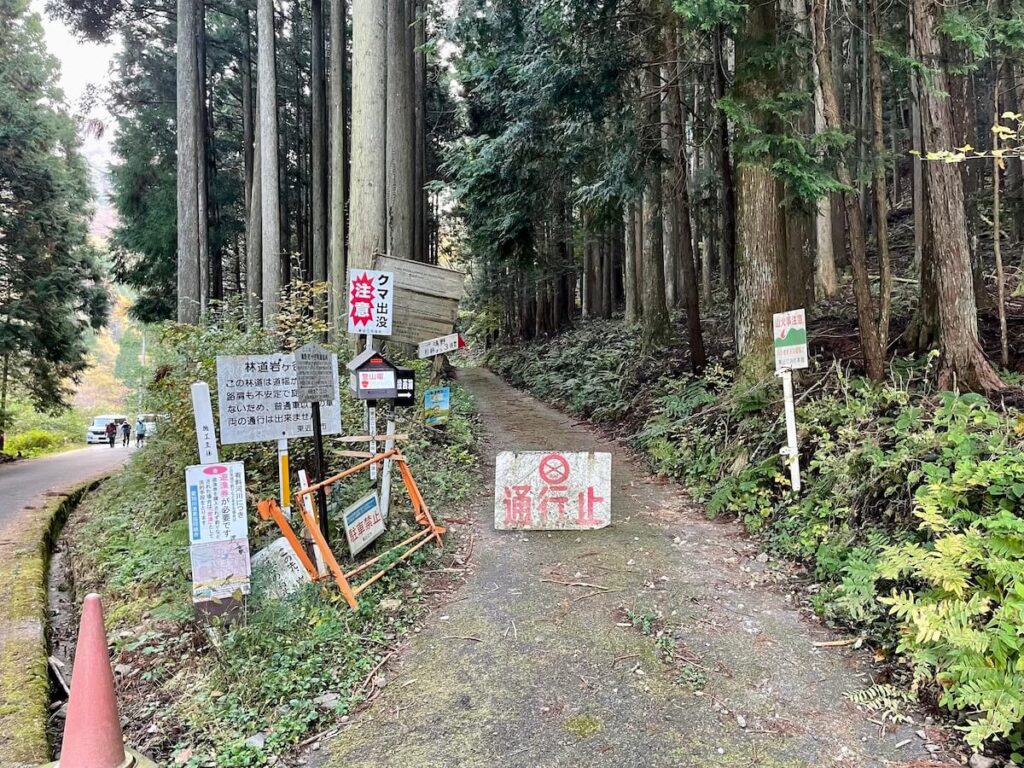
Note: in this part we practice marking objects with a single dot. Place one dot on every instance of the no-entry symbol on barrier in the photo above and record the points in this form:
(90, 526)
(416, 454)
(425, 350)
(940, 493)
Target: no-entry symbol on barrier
(554, 469)
(552, 491)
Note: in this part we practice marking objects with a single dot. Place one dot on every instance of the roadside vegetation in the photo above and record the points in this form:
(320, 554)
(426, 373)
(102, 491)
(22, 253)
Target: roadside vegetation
(909, 520)
(242, 693)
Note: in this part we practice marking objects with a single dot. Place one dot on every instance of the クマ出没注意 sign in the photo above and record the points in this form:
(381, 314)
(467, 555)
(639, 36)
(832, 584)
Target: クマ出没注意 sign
(371, 302)
(790, 340)
(552, 491)
(316, 374)
(364, 522)
(259, 400)
(442, 345)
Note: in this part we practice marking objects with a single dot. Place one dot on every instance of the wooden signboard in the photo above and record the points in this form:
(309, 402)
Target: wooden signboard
(426, 299)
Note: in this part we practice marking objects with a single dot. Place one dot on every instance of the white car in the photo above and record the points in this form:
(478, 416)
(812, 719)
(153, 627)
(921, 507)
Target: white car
(97, 431)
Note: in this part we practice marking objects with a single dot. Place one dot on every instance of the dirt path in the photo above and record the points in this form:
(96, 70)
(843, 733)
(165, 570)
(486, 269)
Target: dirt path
(553, 677)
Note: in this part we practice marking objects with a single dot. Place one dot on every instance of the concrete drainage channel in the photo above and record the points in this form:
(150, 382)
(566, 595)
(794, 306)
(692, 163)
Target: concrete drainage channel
(30, 692)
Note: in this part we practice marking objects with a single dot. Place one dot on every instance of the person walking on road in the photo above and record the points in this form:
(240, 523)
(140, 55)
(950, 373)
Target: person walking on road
(126, 434)
(111, 433)
(140, 433)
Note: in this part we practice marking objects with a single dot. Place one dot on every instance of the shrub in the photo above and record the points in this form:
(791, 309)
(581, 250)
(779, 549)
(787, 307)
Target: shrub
(34, 442)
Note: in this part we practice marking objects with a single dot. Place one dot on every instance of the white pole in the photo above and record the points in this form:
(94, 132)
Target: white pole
(792, 451)
(385, 480)
(372, 424)
(307, 502)
(206, 434)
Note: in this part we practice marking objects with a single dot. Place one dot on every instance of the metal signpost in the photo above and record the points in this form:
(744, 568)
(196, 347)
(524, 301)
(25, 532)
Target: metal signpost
(552, 491)
(316, 382)
(791, 353)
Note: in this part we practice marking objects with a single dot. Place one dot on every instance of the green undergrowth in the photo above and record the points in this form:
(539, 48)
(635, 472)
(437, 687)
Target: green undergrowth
(912, 513)
(242, 693)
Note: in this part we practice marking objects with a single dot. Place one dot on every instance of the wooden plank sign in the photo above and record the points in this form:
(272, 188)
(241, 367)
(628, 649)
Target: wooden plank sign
(426, 299)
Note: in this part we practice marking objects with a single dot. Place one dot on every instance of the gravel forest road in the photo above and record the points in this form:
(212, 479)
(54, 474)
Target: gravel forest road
(522, 671)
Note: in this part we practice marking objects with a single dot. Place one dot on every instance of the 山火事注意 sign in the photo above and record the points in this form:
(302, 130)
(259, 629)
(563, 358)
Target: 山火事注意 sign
(259, 400)
(364, 522)
(218, 530)
(552, 491)
(437, 404)
(790, 340)
(371, 302)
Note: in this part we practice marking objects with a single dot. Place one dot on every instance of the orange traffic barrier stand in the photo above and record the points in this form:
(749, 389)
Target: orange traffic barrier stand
(429, 530)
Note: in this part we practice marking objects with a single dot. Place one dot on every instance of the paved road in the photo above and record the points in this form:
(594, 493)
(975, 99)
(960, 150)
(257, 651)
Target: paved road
(22, 483)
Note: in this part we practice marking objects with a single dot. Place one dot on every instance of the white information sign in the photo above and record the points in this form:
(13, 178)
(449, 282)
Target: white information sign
(218, 530)
(364, 522)
(442, 345)
(316, 374)
(790, 340)
(552, 491)
(371, 302)
(259, 401)
(220, 570)
(216, 502)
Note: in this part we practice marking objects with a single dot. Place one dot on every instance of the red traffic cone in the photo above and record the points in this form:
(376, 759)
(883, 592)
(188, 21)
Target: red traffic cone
(92, 730)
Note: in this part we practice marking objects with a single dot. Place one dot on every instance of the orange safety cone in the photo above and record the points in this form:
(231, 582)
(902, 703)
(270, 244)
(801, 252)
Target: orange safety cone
(92, 729)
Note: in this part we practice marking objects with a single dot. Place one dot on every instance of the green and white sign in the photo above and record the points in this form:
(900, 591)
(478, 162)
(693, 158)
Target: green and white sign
(790, 334)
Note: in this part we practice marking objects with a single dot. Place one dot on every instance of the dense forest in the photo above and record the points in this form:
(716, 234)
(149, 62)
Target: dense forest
(585, 158)
(51, 291)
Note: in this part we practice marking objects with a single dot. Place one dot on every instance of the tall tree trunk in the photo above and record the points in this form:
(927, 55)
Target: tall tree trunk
(656, 327)
(419, 33)
(188, 140)
(336, 264)
(873, 344)
(368, 206)
(760, 223)
(826, 277)
(248, 139)
(401, 147)
(880, 193)
(318, 139)
(727, 200)
(963, 363)
(629, 264)
(254, 235)
(270, 190)
(206, 273)
(997, 232)
(680, 183)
